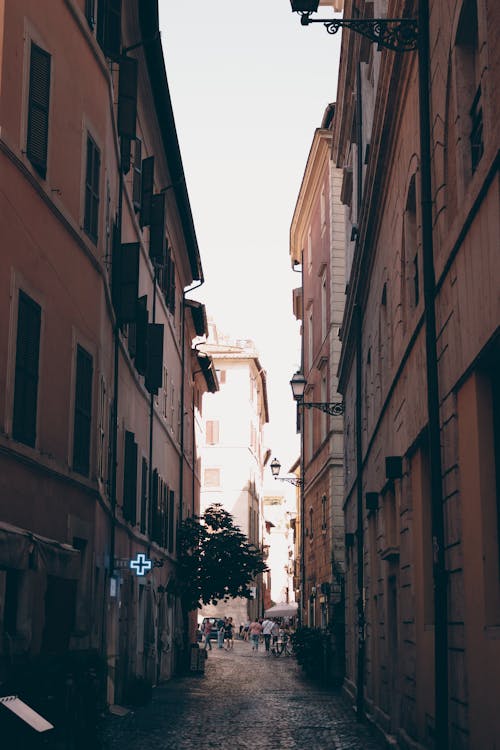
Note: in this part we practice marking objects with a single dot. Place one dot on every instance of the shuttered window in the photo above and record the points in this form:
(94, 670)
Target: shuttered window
(38, 109)
(83, 411)
(90, 12)
(109, 27)
(212, 432)
(26, 380)
(91, 217)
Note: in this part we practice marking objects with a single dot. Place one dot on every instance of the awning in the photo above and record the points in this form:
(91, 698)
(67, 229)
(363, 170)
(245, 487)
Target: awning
(284, 609)
(23, 550)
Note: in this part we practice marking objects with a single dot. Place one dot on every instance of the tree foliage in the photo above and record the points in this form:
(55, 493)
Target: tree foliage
(216, 560)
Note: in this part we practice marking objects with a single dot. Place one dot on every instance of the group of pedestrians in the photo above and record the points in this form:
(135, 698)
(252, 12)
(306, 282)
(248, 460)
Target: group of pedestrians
(269, 630)
(224, 628)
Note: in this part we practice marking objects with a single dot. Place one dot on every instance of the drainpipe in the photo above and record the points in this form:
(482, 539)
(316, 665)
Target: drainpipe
(358, 315)
(116, 343)
(151, 417)
(433, 426)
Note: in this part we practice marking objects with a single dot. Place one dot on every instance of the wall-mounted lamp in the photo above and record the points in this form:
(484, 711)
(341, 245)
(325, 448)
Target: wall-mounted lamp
(298, 384)
(371, 500)
(393, 467)
(275, 470)
(398, 34)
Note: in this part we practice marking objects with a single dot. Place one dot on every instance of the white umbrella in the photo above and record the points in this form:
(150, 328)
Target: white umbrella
(283, 609)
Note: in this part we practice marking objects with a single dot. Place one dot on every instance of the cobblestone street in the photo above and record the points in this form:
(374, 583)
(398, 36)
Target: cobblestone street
(244, 700)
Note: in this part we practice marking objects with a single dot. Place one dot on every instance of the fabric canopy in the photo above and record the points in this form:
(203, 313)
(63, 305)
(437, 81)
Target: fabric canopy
(282, 610)
(22, 550)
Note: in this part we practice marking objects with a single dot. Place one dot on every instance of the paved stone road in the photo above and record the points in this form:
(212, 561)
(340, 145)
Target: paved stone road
(243, 701)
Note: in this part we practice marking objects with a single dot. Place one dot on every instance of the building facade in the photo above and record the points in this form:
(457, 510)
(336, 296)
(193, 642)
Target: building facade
(234, 455)
(99, 390)
(419, 374)
(317, 247)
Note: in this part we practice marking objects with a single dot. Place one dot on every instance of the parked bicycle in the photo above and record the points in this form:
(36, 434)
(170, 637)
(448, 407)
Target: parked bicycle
(282, 646)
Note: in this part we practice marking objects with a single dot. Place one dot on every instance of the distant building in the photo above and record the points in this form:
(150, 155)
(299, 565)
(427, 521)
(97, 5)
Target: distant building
(279, 516)
(317, 246)
(233, 455)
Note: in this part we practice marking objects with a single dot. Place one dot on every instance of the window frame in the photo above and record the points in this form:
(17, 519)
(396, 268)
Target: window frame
(91, 190)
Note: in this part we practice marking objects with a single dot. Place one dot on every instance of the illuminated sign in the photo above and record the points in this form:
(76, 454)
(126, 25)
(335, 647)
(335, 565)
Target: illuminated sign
(141, 565)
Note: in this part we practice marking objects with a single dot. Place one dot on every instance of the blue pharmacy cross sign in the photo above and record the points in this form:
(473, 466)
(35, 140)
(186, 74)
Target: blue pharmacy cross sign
(140, 564)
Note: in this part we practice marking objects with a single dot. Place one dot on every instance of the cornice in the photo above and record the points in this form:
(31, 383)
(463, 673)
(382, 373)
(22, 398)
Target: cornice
(319, 156)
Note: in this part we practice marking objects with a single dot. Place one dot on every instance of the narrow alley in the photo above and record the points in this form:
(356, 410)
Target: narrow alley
(244, 700)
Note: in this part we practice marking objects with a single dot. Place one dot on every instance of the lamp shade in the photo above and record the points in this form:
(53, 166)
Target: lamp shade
(304, 6)
(298, 384)
(275, 467)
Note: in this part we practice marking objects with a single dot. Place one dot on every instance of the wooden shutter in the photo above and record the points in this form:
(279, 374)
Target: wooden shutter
(91, 216)
(130, 478)
(157, 239)
(38, 109)
(147, 182)
(27, 360)
(137, 182)
(127, 97)
(109, 27)
(154, 371)
(129, 282)
(83, 412)
(90, 12)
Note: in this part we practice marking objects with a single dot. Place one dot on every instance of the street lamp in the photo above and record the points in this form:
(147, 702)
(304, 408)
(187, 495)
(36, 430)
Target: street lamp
(398, 34)
(275, 470)
(298, 384)
(405, 35)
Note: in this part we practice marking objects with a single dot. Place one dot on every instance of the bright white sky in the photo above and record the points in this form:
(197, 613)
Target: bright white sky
(249, 85)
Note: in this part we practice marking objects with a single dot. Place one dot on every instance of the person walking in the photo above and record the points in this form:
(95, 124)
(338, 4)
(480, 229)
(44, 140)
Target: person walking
(208, 631)
(254, 632)
(228, 633)
(267, 628)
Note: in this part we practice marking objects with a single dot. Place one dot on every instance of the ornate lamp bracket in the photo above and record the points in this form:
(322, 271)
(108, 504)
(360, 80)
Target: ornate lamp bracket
(335, 409)
(397, 34)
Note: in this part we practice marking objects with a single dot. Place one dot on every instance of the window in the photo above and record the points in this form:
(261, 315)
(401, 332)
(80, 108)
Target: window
(38, 109)
(91, 215)
(109, 27)
(212, 432)
(311, 526)
(26, 377)
(83, 412)
(90, 12)
(221, 374)
(212, 478)
(324, 509)
(468, 86)
(409, 261)
(324, 306)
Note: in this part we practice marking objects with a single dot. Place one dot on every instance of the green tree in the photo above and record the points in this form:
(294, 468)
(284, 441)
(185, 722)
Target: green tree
(216, 560)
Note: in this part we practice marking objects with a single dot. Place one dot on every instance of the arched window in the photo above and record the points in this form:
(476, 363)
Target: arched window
(468, 88)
